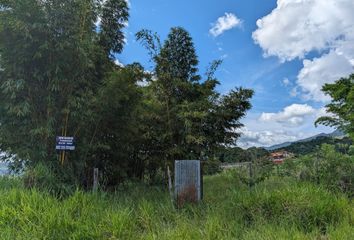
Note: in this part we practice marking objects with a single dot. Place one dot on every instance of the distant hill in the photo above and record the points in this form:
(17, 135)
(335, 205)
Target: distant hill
(336, 134)
(310, 145)
(278, 146)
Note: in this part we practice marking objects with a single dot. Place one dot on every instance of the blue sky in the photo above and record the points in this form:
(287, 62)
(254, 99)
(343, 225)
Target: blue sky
(293, 49)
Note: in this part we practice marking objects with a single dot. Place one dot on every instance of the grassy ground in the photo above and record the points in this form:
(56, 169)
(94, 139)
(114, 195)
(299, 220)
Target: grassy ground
(275, 209)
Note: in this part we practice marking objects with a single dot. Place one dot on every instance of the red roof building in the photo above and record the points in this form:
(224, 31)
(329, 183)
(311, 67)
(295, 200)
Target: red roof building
(279, 157)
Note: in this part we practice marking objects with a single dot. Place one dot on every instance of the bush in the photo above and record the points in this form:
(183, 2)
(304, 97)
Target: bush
(211, 166)
(328, 167)
(42, 177)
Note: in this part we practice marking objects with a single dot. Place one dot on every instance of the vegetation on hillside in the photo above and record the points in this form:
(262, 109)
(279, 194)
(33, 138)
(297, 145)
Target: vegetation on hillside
(326, 167)
(308, 147)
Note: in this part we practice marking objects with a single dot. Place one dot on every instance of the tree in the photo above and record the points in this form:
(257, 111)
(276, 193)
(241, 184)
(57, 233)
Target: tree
(114, 19)
(53, 61)
(192, 118)
(58, 77)
(341, 106)
(114, 131)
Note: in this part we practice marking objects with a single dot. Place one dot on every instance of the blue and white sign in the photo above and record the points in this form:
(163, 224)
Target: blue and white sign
(65, 143)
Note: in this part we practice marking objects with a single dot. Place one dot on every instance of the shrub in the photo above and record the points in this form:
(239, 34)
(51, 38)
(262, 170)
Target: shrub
(42, 177)
(328, 167)
(211, 166)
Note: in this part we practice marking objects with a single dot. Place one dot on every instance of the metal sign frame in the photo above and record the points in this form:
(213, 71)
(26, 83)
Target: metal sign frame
(187, 181)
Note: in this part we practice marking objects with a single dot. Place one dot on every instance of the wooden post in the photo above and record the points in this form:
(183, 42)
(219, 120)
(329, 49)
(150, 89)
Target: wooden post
(201, 180)
(169, 183)
(278, 171)
(251, 176)
(95, 179)
(316, 168)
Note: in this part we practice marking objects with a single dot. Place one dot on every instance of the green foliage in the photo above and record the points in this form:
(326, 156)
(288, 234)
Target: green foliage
(211, 166)
(190, 117)
(58, 78)
(115, 133)
(275, 209)
(52, 66)
(327, 166)
(254, 172)
(291, 206)
(114, 19)
(237, 154)
(342, 105)
(46, 179)
(310, 147)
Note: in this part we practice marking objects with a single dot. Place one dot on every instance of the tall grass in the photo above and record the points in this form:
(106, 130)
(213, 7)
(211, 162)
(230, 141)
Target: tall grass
(279, 208)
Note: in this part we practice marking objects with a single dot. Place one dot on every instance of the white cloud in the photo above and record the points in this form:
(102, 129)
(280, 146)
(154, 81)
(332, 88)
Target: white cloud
(259, 133)
(224, 23)
(291, 116)
(322, 112)
(326, 69)
(294, 92)
(297, 27)
(265, 138)
(286, 82)
(118, 63)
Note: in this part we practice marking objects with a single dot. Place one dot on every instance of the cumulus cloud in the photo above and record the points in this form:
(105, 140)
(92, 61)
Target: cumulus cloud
(326, 69)
(292, 116)
(224, 23)
(279, 127)
(295, 28)
(265, 138)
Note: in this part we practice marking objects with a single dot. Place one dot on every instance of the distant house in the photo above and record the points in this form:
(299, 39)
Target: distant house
(280, 156)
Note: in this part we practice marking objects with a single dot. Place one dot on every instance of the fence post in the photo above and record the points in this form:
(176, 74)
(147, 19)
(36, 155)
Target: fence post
(95, 179)
(169, 183)
(251, 175)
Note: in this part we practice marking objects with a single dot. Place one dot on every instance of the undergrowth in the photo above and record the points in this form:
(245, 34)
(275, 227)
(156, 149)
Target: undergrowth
(278, 208)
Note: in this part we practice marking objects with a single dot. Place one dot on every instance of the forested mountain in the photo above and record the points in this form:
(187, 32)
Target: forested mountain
(302, 148)
(337, 134)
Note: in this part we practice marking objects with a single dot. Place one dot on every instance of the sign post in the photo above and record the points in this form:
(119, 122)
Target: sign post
(64, 144)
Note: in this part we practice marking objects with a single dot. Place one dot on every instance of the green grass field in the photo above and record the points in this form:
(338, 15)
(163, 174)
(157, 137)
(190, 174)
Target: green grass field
(278, 208)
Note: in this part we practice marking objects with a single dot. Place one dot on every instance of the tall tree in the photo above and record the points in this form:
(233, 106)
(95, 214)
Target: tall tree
(53, 60)
(193, 117)
(114, 18)
(115, 135)
(341, 106)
